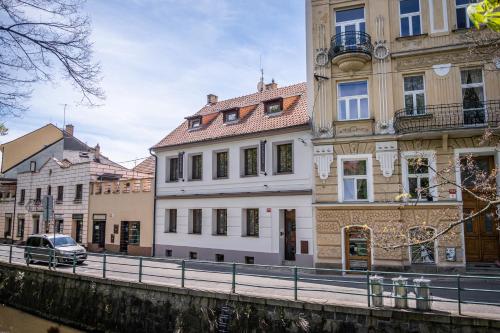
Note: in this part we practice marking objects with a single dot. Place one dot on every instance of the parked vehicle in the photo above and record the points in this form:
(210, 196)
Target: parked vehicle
(41, 248)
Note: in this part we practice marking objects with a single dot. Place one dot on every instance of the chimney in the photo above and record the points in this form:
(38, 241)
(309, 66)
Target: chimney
(212, 99)
(97, 152)
(70, 129)
(272, 85)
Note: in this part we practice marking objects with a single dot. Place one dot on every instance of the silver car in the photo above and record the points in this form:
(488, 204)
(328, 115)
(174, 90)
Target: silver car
(41, 248)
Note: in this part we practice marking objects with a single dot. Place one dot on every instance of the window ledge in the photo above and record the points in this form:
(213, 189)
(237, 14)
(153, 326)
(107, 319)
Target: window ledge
(220, 178)
(194, 233)
(249, 176)
(249, 236)
(195, 180)
(354, 120)
(276, 114)
(219, 234)
(410, 37)
(283, 173)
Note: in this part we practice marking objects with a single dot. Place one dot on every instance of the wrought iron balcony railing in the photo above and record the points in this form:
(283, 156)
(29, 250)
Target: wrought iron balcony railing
(350, 42)
(447, 116)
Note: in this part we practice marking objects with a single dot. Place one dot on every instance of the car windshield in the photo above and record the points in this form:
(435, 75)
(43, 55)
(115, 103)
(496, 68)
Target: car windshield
(64, 241)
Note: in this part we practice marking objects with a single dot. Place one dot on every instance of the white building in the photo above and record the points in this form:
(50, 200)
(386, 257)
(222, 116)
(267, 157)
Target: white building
(234, 181)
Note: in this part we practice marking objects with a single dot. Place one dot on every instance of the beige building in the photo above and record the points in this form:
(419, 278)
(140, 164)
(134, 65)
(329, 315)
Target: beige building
(391, 81)
(121, 211)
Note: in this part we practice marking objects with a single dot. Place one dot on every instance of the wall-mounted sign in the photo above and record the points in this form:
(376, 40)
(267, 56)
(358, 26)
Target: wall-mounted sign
(451, 254)
(453, 193)
(268, 210)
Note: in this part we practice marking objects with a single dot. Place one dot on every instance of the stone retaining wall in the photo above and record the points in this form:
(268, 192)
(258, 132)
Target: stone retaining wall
(96, 304)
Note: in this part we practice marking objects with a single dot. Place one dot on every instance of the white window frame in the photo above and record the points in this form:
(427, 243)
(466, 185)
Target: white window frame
(167, 221)
(430, 155)
(468, 23)
(410, 21)
(414, 94)
(356, 22)
(191, 221)
(244, 223)
(348, 98)
(369, 175)
(472, 85)
(167, 168)
(436, 253)
(275, 157)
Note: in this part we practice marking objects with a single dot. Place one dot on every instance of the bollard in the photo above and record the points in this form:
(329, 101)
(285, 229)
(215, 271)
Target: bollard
(400, 292)
(183, 272)
(233, 281)
(74, 262)
(422, 294)
(377, 290)
(140, 269)
(10, 255)
(104, 266)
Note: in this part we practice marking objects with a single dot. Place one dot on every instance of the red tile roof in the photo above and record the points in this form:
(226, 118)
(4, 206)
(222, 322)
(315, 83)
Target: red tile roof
(252, 116)
(146, 166)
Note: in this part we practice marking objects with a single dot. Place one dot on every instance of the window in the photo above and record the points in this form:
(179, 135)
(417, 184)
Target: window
(221, 164)
(171, 220)
(60, 194)
(38, 196)
(410, 17)
(20, 227)
(172, 169)
(134, 236)
(473, 96)
(252, 222)
(250, 161)
(219, 257)
(196, 221)
(60, 226)
(196, 167)
(195, 123)
(230, 116)
(284, 158)
(33, 166)
(347, 23)
(49, 190)
(353, 100)
(414, 91)
(193, 255)
(418, 173)
(249, 260)
(23, 197)
(8, 225)
(355, 177)
(79, 193)
(463, 21)
(273, 107)
(221, 221)
(168, 253)
(422, 253)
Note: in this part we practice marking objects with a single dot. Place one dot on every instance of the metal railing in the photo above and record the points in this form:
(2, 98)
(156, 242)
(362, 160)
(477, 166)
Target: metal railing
(350, 42)
(447, 116)
(367, 288)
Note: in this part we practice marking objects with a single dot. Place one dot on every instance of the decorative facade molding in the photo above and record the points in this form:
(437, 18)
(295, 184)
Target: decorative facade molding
(323, 158)
(386, 154)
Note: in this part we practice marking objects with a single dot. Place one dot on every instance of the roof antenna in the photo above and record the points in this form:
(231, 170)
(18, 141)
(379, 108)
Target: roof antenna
(260, 85)
(64, 117)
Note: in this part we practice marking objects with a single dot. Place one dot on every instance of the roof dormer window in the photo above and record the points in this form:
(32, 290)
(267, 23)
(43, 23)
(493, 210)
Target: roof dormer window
(195, 122)
(274, 107)
(231, 116)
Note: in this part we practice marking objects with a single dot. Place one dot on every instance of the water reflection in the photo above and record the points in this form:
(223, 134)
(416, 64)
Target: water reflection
(15, 321)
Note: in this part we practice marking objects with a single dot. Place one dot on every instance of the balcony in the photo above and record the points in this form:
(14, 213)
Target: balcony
(351, 50)
(447, 117)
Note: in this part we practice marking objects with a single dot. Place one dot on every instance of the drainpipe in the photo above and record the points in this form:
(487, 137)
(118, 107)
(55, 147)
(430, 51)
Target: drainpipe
(154, 203)
(13, 217)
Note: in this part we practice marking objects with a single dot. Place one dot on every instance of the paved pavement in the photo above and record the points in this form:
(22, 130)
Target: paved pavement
(318, 286)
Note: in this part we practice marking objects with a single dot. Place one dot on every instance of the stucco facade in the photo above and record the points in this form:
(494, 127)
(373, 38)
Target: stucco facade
(387, 91)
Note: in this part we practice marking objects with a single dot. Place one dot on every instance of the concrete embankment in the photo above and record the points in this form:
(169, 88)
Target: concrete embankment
(95, 304)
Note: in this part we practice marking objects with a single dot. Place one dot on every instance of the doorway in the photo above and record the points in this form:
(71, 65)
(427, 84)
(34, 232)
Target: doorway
(77, 228)
(481, 232)
(124, 235)
(99, 233)
(36, 224)
(357, 248)
(290, 234)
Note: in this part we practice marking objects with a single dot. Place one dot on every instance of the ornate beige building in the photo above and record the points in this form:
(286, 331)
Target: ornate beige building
(391, 81)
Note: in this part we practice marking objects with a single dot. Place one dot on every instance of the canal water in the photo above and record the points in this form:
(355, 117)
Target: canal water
(15, 321)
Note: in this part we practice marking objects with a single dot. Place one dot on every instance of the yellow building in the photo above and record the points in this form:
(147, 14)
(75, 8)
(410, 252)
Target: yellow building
(391, 81)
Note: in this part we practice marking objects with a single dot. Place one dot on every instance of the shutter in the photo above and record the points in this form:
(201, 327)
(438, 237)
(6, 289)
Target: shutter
(180, 165)
(263, 156)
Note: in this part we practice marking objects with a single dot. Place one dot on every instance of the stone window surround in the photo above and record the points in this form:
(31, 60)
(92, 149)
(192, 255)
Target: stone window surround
(369, 174)
(410, 23)
(431, 157)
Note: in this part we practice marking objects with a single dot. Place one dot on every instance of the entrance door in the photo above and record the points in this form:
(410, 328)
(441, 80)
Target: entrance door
(36, 224)
(99, 234)
(357, 248)
(124, 237)
(290, 238)
(481, 232)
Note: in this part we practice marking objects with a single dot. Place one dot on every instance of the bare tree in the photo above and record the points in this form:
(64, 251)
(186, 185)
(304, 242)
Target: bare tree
(40, 39)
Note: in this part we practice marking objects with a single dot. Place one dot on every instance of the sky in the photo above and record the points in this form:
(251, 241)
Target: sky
(160, 58)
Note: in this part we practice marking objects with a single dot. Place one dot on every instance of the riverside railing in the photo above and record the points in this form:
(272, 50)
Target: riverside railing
(368, 288)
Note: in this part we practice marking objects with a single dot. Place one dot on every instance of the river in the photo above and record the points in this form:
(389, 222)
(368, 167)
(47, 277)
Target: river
(15, 321)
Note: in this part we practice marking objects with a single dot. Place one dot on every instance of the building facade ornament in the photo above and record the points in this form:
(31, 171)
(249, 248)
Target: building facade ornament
(323, 158)
(386, 154)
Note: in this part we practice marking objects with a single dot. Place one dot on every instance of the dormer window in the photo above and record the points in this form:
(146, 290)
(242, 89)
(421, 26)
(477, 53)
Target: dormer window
(195, 122)
(274, 107)
(231, 115)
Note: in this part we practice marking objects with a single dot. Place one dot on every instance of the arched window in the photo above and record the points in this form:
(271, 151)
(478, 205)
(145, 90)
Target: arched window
(422, 253)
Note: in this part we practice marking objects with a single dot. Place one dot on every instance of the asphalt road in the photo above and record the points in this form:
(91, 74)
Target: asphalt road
(319, 286)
